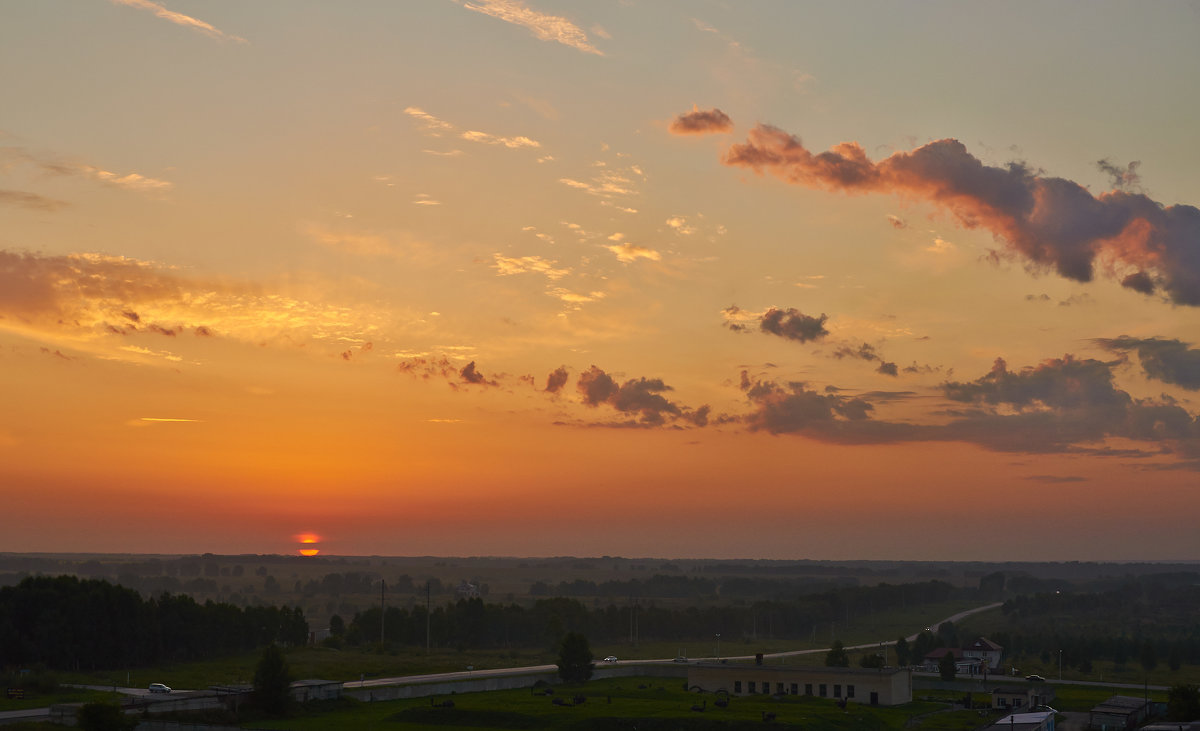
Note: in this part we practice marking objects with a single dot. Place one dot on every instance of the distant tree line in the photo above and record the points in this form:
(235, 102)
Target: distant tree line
(68, 623)
(732, 588)
(472, 623)
(1148, 620)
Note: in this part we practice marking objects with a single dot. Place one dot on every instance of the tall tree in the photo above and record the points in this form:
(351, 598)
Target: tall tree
(1183, 703)
(946, 666)
(575, 658)
(902, 652)
(837, 657)
(272, 681)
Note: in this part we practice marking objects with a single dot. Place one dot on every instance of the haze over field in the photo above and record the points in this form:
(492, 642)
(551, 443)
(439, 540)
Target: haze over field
(776, 279)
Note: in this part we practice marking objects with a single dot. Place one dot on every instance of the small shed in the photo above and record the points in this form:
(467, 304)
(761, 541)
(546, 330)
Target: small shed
(1118, 713)
(316, 690)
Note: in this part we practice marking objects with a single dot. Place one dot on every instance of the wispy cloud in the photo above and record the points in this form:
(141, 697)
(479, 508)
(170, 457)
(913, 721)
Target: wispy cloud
(436, 127)
(180, 19)
(543, 26)
(127, 181)
(30, 200)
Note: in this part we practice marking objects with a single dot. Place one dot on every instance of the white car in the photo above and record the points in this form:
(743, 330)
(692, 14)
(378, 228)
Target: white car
(610, 658)
(159, 688)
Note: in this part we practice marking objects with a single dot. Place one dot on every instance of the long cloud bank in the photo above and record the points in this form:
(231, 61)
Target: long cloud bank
(1048, 221)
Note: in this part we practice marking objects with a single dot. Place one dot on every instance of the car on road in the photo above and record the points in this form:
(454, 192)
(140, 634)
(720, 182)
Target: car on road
(680, 658)
(159, 688)
(1035, 678)
(610, 658)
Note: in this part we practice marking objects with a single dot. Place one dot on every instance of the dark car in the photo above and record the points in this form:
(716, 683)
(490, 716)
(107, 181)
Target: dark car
(1035, 678)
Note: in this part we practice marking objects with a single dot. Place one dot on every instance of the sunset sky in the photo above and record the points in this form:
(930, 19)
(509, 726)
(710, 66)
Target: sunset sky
(625, 277)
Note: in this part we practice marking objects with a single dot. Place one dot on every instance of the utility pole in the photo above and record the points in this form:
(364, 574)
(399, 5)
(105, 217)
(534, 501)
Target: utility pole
(426, 616)
(382, 588)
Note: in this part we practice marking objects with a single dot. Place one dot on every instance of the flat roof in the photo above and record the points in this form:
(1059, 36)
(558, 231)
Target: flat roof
(811, 669)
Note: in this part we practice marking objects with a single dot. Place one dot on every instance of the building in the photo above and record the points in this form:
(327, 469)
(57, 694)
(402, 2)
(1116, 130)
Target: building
(1037, 721)
(1118, 713)
(1018, 697)
(963, 665)
(986, 651)
(882, 687)
(316, 690)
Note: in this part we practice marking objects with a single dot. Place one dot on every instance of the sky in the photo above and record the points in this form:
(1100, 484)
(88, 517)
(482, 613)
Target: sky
(832, 280)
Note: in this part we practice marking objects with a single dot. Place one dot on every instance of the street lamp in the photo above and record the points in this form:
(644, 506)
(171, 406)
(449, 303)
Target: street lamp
(1060, 664)
(718, 647)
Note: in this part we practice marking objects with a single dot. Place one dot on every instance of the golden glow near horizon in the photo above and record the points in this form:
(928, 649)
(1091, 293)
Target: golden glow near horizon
(611, 278)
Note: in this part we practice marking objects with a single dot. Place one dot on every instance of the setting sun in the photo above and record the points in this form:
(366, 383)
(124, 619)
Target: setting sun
(309, 542)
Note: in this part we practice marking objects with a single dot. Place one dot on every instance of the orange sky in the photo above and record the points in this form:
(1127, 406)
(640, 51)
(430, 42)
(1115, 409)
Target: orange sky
(505, 278)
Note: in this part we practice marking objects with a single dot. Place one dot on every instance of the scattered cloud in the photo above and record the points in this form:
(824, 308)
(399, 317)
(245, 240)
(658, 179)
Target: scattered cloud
(867, 352)
(543, 26)
(640, 398)
(180, 19)
(897, 222)
(507, 266)
(701, 122)
(1167, 360)
(490, 139)
(627, 252)
(680, 226)
(352, 242)
(1049, 222)
(557, 379)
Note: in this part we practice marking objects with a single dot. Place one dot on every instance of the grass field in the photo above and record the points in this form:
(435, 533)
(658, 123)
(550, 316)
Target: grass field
(626, 703)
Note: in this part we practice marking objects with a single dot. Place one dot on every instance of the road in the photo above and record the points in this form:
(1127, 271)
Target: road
(464, 674)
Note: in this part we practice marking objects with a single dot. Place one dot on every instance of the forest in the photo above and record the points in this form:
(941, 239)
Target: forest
(68, 623)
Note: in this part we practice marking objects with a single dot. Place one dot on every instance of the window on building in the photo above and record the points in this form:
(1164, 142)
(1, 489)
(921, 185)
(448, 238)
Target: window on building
(808, 689)
(821, 690)
(751, 686)
(737, 686)
(837, 690)
(795, 689)
(849, 691)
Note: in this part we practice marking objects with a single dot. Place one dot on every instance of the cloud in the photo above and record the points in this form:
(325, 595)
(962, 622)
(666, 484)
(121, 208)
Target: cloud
(1126, 178)
(556, 380)
(180, 19)
(790, 324)
(543, 26)
(129, 181)
(1167, 360)
(627, 252)
(1064, 405)
(638, 397)
(30, 200)
(866, 351)
(436, 127)
(469, 374)
(1049, 222)
(508, 266)
(353, 242)
(91, 297)
(896, 221)
(680, 224)
(701, 122)
(490, 139)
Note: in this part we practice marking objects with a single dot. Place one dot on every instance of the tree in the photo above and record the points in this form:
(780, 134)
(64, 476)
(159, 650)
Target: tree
(902, 652)
(871, 660)
(837, 657)
(104, 717)
(272, 681)
(947, 667)
(575, 658)
(1183, 703)
(337, 625)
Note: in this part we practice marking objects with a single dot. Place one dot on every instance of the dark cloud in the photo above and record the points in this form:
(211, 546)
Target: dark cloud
(556, 380)
(1061, 406)
(30, 200)
(1049, 222)
(897, 222)
(1170, 361)
(469, 374)
(701, 122)
(866, 351)
(426, 368)
(638, 397)
(793, 324)
(1125, 178)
